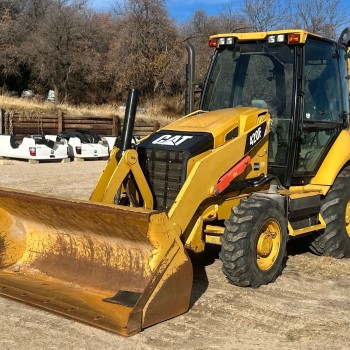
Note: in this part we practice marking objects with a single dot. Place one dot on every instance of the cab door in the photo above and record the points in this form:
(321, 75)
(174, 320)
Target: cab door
(323, 107)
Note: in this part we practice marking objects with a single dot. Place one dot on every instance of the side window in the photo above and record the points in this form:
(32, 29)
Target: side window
(322, 89)
(322, 104)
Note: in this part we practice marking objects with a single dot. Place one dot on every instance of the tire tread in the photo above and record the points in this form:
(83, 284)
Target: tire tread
(235, 255)
(333, 240)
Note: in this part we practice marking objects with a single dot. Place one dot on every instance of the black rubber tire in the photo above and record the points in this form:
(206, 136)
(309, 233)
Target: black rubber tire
(334, 240)
(239, 242)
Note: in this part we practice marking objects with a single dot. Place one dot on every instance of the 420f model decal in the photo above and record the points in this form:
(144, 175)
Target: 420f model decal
(254, 137)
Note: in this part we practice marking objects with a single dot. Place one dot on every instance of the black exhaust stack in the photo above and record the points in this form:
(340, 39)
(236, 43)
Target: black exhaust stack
(129, 121)
(190, 67)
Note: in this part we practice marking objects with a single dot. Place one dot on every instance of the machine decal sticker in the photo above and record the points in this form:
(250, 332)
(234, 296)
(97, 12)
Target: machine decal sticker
(254, 137)
(174, 140)
(171, 140)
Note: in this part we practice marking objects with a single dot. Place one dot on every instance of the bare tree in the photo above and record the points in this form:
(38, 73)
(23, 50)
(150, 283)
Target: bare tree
(60, 50)
(146, 52)
(318, 16)
(16, 17)
(263, 15)
(96, 84)
(231, 20)
(198, 29)
(9, 58)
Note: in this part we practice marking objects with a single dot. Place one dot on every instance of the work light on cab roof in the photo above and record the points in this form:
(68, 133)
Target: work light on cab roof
(292, 38)
(220, 42)
(289, 38)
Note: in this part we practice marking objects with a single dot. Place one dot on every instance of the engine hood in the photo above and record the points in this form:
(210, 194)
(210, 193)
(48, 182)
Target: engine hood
(223, 124)
(201, 131)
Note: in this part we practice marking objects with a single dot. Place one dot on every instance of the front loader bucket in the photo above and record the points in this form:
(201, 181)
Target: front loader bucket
(118, 268)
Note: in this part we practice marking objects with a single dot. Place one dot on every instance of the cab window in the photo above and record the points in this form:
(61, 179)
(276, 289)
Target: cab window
(323, 108)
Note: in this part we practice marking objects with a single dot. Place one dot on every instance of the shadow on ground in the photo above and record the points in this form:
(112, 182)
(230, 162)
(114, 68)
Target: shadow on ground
(299, 245)
(201, 261)
(200, 278)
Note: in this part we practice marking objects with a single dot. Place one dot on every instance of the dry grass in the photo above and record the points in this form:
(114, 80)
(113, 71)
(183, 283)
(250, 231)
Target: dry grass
(161, 110)
(25, 105)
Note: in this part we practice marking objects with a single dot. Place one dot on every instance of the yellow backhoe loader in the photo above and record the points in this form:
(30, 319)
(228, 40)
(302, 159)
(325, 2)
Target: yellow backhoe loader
(264, 160)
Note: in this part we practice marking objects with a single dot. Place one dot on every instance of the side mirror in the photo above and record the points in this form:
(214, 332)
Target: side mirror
(344, 38)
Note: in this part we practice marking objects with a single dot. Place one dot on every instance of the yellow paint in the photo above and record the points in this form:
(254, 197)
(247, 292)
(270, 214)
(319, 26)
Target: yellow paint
(105, 177)
(268, 245)
(203, 166)
(206, 172)
(217, 230)
(225, 207)
(77, 241)
(296, 195)
(219, 122)
(211, 239)
(114, 175)
(12, 239)
(194, 240)
(347, 218)
(320, 226)
(337, 157)
(213, 234)
(192, 161)
(318, 189)
(93, 247)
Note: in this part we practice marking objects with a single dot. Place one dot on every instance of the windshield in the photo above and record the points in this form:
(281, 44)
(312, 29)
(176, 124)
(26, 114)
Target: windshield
(254, 74)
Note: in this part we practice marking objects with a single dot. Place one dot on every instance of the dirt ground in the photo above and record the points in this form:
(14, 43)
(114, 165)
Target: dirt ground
(308, 307)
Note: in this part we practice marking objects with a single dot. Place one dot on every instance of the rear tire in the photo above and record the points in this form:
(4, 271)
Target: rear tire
(334, 240)
(254, 242)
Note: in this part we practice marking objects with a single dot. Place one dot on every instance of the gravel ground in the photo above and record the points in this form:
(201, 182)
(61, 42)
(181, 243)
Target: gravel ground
(308, 307)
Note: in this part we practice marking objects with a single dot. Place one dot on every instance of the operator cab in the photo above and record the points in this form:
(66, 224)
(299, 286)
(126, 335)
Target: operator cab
(299, 78)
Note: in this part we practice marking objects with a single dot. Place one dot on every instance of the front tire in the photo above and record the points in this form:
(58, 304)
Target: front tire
(254, 242)
(334, 240)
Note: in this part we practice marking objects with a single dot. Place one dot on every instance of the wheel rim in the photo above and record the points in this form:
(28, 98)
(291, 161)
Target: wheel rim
(347, 218)
(268, 245)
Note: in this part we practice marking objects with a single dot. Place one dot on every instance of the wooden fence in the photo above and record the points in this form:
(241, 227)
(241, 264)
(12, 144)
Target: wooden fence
(12, 123)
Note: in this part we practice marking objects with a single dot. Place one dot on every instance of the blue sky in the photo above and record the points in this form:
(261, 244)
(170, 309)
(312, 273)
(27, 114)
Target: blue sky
(182, 10)
(179, 10)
